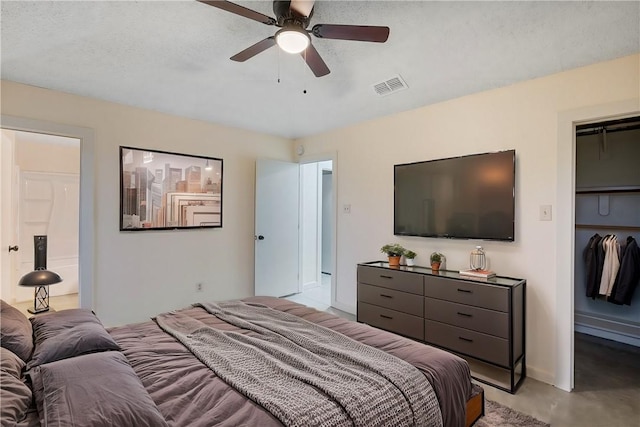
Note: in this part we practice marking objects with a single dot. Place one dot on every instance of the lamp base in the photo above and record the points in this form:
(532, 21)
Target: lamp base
(40, 300)
(42, 310)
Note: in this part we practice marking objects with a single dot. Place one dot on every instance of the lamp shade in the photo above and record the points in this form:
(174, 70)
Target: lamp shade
(40, 278)
(292, 39)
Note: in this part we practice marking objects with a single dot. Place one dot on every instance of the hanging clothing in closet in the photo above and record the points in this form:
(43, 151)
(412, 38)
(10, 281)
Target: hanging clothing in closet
(628, 277)
(593, 264)
(611, 264)
(613, 269)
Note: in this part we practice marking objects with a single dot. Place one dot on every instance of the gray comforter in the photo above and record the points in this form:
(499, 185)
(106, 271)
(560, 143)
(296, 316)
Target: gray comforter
(188, 393)
(306, 374)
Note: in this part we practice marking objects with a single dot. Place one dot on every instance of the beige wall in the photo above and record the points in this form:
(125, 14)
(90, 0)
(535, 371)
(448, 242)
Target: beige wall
(523, 116)
(140, 274)
(32, 155)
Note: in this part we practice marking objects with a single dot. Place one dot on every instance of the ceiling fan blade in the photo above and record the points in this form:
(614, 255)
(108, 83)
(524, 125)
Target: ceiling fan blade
(240, 10)
(363, 33)
(253, 50)
(302, 7)
(315, 62)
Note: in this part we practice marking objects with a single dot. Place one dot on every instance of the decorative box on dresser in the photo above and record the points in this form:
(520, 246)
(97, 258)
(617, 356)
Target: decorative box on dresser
(481, 320)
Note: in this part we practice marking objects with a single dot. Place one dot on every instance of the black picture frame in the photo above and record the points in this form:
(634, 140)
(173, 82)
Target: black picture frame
(161, 190)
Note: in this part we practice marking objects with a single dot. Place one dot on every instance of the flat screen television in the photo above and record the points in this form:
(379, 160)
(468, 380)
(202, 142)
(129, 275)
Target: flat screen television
(468, 197)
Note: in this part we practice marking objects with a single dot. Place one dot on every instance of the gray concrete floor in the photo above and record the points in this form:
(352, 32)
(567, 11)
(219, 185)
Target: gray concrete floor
(606, 393)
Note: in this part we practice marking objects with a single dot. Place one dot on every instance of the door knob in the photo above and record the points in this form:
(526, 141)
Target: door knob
(13, 248)
(261, 237)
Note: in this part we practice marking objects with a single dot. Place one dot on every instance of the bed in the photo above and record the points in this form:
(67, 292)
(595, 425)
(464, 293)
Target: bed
(160, 381)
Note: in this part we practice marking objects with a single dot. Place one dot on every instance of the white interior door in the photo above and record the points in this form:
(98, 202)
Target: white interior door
(276, 230)
(48, 205)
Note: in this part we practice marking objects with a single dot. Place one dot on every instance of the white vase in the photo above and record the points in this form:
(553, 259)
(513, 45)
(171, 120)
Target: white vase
(410, 262)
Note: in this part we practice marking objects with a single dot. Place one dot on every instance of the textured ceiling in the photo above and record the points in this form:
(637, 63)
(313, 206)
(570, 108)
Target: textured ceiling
(173, 56)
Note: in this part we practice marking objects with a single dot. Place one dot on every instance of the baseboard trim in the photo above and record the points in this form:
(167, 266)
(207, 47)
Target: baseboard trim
(608, 335)
(344, 307)
(540, 375)
(607, 328)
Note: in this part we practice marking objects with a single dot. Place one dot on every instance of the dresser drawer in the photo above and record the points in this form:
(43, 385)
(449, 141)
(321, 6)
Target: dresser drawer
(391, 279)
(466, 316)
(391, 320)
(388, 298)
(475, 344)
(470, 293)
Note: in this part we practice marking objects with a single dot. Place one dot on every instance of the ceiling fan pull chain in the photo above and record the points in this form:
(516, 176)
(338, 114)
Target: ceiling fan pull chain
(306, 76)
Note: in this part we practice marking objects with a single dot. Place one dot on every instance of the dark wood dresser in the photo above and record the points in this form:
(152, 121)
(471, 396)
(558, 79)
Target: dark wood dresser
(481, 320)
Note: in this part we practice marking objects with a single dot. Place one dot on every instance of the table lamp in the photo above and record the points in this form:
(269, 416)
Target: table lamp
(40, 278)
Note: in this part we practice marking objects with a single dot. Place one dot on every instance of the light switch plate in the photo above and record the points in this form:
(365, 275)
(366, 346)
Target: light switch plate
(545, 212)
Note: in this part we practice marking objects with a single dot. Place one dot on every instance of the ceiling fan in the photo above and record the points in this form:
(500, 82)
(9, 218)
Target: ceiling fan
(293, 37)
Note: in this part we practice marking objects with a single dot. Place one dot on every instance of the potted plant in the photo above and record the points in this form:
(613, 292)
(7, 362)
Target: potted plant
(409, 255)
(436, 260)
(394, 252)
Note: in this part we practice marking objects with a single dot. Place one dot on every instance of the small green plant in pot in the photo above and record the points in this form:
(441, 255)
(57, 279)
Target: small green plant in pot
(436, 259)
(409, 256)
(394, 252)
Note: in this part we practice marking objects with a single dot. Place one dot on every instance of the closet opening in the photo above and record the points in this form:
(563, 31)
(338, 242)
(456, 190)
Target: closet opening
(607, 258)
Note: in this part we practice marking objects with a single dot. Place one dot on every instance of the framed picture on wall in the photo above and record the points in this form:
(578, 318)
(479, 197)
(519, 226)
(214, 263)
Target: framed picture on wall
(166, 191)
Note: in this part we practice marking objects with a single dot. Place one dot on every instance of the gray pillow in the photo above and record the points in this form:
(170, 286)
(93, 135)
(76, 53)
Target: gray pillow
(68, 333)
(93, 390)
(11, 363)
(14, 393)
(16, 333)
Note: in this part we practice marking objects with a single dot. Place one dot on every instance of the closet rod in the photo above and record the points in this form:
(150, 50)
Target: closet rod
(609, 227)
(607, 129)
(609, 126)
(619, 189)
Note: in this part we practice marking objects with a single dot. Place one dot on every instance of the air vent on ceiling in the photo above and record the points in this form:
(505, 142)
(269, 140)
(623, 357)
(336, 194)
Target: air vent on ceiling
(387, 87)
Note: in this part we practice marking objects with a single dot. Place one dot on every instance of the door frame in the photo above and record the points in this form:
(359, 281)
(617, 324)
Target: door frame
(565, 227)
(333, 157)
(86, 243)
(7, 212)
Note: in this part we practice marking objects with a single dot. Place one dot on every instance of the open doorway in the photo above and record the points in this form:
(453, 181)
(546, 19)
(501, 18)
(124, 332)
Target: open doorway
(566, 232)
(40, 197)
(607, 228)
(317, 216)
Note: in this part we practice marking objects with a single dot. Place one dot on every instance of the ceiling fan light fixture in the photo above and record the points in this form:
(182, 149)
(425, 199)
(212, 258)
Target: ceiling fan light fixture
(293, 39)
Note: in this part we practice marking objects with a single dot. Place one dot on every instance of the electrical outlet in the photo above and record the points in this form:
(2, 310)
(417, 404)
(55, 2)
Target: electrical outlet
(545, 212)
(198, 287)
(346, 209)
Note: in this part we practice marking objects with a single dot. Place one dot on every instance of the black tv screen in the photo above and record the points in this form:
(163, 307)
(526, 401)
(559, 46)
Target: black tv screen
(469, 197)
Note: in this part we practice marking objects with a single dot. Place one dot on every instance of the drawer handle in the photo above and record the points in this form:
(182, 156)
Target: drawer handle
(385, 296)
(386, 277)
(386, 317)
(465, 339)
(465, 314)
(466, 291)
